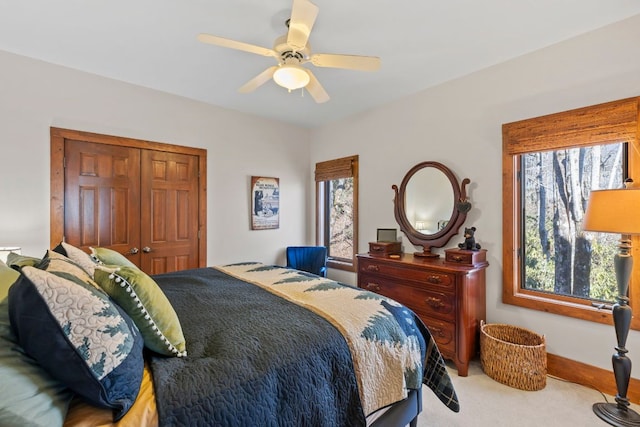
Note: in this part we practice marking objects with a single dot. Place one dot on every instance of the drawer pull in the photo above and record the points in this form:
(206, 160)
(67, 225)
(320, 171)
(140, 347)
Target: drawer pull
(457, 258)
(434, 279)
(373, 287)
(373, 267)
(434, 302)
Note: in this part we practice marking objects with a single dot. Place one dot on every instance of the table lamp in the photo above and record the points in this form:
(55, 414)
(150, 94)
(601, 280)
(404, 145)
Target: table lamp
(421, 225)
(6, 250)
(616, 211)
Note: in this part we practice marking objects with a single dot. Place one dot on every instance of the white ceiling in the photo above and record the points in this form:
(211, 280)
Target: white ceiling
(421, 43)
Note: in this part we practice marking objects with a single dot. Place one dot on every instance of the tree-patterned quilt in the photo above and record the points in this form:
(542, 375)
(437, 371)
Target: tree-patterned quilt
(269, 346)
(392, 350)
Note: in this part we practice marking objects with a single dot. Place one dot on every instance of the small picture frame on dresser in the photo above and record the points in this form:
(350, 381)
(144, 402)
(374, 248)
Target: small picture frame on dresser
(387, 235)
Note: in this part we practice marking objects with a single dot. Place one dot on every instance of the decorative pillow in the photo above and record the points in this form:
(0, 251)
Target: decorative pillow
(78, 256)
(111, 257)
(8, 276)
(61, 266)
(29, 396)
(141, 297)
(18, 261)
(79, 336)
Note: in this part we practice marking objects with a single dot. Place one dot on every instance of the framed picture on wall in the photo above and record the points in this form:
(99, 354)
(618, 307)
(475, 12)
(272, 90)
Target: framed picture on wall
(265, 203)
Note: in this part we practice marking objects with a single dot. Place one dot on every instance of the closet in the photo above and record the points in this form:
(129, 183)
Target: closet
(145, 200)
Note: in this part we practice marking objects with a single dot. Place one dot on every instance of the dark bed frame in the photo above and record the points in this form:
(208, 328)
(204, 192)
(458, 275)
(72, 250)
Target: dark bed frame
(402, 413)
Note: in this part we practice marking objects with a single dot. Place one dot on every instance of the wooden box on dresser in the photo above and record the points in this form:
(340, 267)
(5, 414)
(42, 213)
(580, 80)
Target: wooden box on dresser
(448, 295)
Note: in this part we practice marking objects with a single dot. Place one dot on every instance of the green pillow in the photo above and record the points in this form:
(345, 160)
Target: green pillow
(111, 257)
(19, 261)
(143, 300)
(8, 276)
(29, 396)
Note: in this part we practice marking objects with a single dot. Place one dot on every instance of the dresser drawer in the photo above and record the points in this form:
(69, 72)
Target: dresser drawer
(465, 257)
(426, 300)
(443, 333)
(431, 277)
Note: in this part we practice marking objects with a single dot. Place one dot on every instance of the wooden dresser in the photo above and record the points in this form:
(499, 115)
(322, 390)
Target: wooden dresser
(448, 295)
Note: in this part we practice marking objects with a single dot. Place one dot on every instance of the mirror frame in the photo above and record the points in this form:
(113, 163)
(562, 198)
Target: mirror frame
(459, 211)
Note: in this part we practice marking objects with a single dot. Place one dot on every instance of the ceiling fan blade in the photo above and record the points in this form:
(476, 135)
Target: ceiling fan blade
(349, 62)
(232, 44)
(258, 80)
(303, 16)
(315, 89)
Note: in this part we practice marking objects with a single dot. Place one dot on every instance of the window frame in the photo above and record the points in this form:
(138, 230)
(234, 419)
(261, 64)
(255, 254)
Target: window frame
(345, 167)
(610, 122)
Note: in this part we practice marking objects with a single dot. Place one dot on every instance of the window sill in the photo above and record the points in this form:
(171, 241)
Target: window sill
(341, 265)
(581, 310)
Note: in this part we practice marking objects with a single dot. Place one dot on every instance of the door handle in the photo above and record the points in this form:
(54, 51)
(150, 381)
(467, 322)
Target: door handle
(134, 251)
(146, 249)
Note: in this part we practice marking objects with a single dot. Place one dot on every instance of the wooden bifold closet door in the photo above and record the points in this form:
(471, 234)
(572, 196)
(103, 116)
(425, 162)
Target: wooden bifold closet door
(141, 199)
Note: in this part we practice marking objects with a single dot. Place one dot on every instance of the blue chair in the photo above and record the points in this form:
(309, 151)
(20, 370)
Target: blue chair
(312, 259)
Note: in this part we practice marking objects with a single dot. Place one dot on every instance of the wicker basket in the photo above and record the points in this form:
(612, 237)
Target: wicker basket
(513, 356)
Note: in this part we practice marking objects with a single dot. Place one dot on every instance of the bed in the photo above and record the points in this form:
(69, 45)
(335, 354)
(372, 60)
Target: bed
(263, 345)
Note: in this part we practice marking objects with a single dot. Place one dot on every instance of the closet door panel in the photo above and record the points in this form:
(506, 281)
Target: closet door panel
(169, 205)
(102, 193)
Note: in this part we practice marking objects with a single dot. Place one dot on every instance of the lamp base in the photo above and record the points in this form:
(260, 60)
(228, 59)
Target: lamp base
(612, 414)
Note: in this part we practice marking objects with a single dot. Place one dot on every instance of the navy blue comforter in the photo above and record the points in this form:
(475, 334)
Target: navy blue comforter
(254, 359)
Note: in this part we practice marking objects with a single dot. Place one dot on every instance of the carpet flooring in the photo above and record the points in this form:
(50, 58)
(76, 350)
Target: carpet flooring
(485, 402)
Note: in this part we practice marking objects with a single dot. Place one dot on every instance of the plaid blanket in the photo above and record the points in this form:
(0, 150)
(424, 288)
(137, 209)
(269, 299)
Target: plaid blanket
(392, 350)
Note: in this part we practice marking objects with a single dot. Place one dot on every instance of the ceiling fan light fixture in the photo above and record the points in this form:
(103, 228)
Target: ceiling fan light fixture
(291, 77)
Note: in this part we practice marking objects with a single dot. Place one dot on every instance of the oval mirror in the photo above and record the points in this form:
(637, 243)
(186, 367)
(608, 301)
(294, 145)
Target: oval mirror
(429, 201)
(430, 206)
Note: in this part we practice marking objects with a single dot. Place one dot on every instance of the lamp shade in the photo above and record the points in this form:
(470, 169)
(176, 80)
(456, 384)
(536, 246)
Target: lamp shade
(291, 76)
(613, 211)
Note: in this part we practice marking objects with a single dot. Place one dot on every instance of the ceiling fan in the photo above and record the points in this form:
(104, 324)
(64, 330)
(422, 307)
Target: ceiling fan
(292, 50)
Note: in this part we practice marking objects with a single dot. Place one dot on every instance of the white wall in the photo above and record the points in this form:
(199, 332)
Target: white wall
(459, 124)
(35, 96)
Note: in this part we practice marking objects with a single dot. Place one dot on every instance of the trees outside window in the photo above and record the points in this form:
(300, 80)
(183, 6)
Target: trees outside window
(337, 210)
(559, 257)
(550, 165)
(339, 234)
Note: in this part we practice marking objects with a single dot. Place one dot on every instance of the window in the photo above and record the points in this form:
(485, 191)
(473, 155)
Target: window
(337, 210)
(559, 258)
(550, 164)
